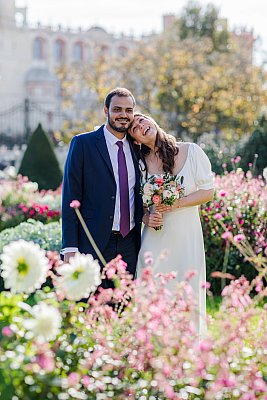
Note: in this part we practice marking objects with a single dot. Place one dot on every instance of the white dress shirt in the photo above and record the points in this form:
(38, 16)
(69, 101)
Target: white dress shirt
(113, 148)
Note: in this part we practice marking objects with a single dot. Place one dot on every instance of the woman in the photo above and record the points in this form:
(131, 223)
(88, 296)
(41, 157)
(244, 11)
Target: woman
(181, 233)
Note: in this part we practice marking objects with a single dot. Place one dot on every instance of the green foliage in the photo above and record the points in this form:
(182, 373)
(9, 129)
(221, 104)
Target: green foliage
(201, 22)
(39, 162)
(255, 149)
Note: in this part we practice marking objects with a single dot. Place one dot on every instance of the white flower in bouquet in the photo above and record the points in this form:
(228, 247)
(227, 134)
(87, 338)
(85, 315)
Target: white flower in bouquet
(148, 189)
(46, 322)
(264, 173)
(80, 277)
(24, 266)
(167, 194)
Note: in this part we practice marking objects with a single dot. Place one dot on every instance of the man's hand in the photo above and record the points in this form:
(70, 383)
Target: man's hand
(67, 256)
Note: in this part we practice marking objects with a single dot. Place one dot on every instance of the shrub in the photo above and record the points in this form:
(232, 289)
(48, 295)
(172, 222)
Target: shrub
(39, 162)
(254, 151)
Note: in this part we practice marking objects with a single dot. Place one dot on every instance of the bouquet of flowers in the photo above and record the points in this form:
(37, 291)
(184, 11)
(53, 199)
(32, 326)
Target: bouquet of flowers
(162, 189)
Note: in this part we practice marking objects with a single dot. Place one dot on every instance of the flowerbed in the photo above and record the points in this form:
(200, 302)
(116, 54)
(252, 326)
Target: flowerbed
(239, 208)
(21, 200)
(134, 341)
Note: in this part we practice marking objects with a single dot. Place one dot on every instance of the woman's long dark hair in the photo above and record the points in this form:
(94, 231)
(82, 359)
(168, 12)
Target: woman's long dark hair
(165, 144)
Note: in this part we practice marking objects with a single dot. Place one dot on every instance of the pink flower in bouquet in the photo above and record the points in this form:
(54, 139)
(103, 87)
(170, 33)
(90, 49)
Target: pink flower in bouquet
(156, 199)
(159, 181)
(218, 216)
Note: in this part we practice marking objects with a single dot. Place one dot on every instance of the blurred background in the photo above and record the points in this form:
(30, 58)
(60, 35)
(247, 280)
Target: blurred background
(197, 67)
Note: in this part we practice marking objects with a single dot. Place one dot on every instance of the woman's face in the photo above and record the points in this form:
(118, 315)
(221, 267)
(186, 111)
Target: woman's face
(144, 131)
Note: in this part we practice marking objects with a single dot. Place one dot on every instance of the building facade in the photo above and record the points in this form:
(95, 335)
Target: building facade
(29, 57)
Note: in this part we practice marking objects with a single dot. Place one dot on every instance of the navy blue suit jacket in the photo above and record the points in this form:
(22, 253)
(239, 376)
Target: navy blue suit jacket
(89, 178)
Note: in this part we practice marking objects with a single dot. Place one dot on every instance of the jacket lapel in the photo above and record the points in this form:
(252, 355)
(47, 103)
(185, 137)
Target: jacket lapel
(103, 150)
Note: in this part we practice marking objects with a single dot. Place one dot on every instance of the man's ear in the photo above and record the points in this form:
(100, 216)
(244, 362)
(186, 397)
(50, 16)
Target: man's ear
(106, 111)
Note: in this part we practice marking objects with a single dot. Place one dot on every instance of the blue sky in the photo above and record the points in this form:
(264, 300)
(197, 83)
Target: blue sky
(142, 16)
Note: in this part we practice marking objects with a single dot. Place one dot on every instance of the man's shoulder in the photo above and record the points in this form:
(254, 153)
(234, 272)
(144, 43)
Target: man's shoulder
(89, 136)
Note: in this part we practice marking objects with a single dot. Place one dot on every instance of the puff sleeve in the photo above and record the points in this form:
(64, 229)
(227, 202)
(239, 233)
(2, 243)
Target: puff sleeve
(204, 177)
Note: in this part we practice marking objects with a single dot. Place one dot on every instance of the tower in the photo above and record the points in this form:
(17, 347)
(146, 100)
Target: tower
(7, 13)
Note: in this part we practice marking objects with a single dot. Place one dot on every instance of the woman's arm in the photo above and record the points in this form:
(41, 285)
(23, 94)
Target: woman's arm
(194, 199)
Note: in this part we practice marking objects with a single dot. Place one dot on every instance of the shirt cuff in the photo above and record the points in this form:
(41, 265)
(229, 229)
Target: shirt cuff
(69, 250)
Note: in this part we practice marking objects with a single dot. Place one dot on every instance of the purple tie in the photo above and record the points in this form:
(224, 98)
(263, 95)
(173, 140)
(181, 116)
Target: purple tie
(124, 192)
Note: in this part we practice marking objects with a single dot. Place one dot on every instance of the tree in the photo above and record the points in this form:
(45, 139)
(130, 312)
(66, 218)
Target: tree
(199, 22)
(39, 162)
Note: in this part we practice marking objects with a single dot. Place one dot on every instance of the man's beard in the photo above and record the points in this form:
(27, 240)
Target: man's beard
(121, 129)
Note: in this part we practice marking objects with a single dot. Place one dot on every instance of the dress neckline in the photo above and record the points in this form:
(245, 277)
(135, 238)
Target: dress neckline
(178, 173)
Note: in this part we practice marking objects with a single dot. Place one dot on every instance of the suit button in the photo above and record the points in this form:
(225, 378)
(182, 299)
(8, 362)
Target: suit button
(111, 217)
(112, 197)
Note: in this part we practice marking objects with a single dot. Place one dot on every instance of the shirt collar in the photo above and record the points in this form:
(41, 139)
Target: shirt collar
(111, 139)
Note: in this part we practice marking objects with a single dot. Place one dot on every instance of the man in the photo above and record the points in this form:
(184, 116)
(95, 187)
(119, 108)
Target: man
(103, 174)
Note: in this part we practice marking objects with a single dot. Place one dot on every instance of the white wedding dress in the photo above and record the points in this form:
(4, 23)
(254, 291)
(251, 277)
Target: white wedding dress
(181, 235)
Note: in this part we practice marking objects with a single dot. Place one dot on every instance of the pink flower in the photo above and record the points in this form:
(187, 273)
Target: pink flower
(148, 259)
(218, 216)
(73, 379)
(189, 275)
(7, 331)
(239, 238)
(205, 345)
(156, 199)
(46, 362)
(226, 235)
(75, 204)
(85, 380)
(159, 181)
(111, 273)
(205, 285)
(222, 193)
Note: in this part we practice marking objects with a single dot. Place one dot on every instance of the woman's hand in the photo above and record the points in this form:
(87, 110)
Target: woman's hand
(163, 209)
(153, 220)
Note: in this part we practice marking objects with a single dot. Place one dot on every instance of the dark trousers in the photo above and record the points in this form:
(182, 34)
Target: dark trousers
(126, 246)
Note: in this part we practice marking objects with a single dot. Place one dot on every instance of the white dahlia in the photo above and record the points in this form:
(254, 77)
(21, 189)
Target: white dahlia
(80, 277)
(24, 266)
(46, 322)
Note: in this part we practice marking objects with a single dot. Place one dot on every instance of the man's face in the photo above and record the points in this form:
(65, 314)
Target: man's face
(120, 113)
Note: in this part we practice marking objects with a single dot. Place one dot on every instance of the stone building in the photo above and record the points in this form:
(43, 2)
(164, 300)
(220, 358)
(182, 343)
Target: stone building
(29, 57)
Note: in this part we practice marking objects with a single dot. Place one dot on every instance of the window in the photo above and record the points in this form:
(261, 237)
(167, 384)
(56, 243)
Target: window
(38, 48)
(78, 51)
(59, 51)
(122, 50)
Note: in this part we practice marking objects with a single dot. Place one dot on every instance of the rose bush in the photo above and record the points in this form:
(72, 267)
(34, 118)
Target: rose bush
(136, 341)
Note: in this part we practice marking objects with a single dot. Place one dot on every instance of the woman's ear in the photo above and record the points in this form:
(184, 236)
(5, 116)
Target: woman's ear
(137, 143)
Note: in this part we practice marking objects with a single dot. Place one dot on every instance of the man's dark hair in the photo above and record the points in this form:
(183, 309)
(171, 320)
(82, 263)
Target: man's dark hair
(121, 92)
